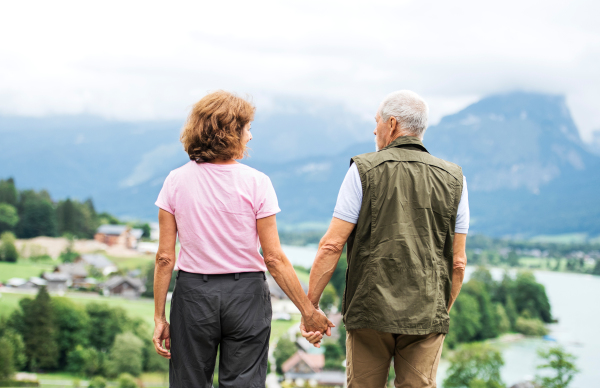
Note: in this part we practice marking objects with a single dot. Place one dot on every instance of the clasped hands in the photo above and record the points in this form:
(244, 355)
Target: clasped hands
(314, 326)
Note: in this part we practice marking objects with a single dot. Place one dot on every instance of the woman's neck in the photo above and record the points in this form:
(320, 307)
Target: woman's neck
(221, 161)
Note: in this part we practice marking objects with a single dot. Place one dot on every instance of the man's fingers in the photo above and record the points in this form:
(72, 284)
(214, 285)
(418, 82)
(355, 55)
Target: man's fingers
(168, 343)
(328, 332)
(330, 324)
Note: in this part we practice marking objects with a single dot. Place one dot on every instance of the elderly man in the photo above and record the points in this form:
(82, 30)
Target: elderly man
(404, 215)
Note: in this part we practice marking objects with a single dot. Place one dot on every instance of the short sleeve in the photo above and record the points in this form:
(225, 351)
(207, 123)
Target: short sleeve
(347, 207)
(463, 213)
(266, 201)
(165, 199)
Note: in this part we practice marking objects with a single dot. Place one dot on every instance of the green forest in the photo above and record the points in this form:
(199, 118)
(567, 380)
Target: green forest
(56, 334)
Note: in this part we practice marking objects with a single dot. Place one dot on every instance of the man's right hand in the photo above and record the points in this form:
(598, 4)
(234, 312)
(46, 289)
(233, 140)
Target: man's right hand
(315, 325)
(317, 321)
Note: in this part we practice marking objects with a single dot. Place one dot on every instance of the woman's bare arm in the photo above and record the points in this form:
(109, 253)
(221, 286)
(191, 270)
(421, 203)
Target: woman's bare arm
(163, 270)
(282, 271)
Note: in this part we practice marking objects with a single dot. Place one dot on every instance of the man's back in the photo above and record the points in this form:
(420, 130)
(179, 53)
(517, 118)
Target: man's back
(400, 253)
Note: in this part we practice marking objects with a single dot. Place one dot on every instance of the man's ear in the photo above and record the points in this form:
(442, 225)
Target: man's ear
(393, 124)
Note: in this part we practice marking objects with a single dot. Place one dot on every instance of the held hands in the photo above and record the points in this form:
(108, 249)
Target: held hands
(316, 325)
(162, 333)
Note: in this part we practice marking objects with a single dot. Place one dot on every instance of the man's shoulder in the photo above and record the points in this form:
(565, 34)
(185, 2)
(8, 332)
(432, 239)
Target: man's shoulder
(367, 161)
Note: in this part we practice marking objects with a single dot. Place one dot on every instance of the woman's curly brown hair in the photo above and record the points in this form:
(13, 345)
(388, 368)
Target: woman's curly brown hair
(213, 129)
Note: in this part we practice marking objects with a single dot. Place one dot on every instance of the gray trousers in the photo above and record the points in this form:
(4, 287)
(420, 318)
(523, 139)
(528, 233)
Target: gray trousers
(230, 311)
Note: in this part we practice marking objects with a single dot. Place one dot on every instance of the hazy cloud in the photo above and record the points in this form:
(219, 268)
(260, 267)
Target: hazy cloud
(134, 59)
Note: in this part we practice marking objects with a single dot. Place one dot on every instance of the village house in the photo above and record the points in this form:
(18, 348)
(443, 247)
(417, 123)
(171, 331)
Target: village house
(305, 367)
(98, 261)
(76, 273)
(56, 282)
(124, 286)
(120, 235)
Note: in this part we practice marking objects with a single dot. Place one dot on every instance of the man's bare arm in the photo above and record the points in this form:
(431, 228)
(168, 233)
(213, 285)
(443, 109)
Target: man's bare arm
(328, 255)
(458, 266)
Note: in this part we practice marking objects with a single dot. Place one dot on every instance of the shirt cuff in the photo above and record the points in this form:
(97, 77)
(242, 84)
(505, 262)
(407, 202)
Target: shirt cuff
(461, 230)
(345, 217)
(268, 213)
(164, 207)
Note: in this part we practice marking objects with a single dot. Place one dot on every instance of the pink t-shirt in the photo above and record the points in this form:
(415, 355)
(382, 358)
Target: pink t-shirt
(216, 207)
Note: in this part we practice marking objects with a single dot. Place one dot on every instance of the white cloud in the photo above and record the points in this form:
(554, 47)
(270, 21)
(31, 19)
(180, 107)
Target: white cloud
(134, 59)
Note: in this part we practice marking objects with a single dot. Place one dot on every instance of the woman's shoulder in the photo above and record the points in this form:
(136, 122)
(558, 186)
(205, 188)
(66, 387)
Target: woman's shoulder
(252, 172)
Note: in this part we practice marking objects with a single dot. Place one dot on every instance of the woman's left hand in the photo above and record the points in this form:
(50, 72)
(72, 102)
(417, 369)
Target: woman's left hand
(162, 332)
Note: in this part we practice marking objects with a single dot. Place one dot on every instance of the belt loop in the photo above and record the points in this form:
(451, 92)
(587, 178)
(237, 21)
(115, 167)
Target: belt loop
(177, 277)
(264, 276)
(205, 277)
(237, 276)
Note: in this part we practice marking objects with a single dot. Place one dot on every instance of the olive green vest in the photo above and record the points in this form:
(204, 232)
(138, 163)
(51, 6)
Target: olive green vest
(400, 253)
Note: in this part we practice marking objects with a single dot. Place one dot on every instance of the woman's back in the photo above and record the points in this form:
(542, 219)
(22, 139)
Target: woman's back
(216, 207)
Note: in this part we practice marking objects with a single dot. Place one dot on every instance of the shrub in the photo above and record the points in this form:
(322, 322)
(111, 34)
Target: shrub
(127, 381)
(475, 365)
(126, 355)
(97, 382)
(7, 360)
(8, 251)
(85, 361)
(284, 350)
(530, 326)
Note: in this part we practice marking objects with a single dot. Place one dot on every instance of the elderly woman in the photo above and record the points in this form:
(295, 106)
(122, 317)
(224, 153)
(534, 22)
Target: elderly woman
(223, 212)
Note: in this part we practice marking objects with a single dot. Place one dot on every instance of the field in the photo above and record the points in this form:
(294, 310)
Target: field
(23, 269)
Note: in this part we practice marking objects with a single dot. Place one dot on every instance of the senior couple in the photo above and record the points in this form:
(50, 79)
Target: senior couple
(402, 213)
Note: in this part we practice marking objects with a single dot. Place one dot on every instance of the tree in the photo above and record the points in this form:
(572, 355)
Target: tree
(145, 227)
(284, 350)
(8, 251)
(149, 293)
(475, 366)
(465, 320)
(84, 361)
(596, 270)
(8, 192)
(76, 218)
(328, 299)
(334, 356)
(18, 346)
(511, 311)
(530, 326)
(479, 290)
(7, 359)
(72, 325)
(513, 259)
(69, 255)
(105, 323)
(530, 295)
(126, 355)
(39, 331)
(9, 217)
(338, 279)
(37, 215)
(342, 338)
(504, 325)
(559, 362)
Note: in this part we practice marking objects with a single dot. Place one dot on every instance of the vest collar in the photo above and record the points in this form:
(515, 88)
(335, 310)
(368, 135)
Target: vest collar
(404, 141)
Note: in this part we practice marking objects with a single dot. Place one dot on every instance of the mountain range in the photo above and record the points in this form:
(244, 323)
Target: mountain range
(528, 171)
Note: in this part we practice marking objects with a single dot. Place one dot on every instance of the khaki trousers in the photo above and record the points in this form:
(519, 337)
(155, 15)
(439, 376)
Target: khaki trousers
(369, 354)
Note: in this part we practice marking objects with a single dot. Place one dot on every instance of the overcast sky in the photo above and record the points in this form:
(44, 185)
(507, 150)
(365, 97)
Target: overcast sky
(150, 60)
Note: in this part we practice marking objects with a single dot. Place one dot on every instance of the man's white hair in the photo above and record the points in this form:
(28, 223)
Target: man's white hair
(409, 109)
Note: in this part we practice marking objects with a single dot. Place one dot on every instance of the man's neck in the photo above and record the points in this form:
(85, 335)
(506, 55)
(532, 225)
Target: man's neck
(400, 134)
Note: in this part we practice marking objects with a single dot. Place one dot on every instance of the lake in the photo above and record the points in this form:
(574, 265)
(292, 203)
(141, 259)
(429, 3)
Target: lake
(574, 300)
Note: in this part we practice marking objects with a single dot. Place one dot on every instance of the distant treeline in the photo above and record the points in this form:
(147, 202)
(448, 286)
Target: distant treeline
(553, 249)
(486, 308)
(57, 334)
(30, 213)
